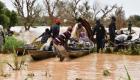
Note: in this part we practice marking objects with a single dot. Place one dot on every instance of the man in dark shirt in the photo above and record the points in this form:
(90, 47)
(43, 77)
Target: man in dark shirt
(100, 32)
(54, 30)
(44, 36)
(112, 28)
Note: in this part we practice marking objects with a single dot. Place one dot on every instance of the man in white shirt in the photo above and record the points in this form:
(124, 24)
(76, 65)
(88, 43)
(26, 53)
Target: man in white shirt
(120, 39)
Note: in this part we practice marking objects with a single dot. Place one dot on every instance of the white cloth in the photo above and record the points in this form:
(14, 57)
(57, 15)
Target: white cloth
(46, 45)
(121, 37)
(1, 28)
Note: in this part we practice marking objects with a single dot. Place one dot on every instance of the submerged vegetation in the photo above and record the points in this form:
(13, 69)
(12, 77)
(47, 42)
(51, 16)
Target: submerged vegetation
(133, 49)
(18, 62)
(108, 50)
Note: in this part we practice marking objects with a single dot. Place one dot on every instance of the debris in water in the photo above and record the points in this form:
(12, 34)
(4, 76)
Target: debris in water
(31, 74)
(106, 72)
(78, 79)
(6, 75)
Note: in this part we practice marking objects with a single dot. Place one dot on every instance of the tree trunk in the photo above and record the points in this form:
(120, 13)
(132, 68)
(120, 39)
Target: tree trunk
(25, 26)
(51, 18)
(28, 28)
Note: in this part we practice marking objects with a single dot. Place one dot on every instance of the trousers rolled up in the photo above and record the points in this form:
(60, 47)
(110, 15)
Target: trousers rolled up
(59, 49)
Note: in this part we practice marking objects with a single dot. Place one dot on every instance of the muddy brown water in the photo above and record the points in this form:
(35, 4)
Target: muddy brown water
(89, 67)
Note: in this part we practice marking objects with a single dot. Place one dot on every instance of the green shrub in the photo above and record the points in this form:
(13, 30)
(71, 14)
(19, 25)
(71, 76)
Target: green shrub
(11, 42)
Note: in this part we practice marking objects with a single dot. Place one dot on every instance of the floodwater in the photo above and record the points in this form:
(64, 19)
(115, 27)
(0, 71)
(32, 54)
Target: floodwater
(90, 67)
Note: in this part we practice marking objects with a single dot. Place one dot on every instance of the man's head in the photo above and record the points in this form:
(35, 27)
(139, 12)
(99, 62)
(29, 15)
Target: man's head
(57, 21)
(113, 19)
(79, 25)
(129, 37)
(82, 34)
(121, 31)
(79, 19)
(70, 28)
(47, 30)
(98, 21)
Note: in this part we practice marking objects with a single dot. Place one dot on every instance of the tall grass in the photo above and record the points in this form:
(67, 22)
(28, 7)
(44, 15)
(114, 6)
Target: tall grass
(128, 75)
(18, 62)
(11, 42)
(133, 49)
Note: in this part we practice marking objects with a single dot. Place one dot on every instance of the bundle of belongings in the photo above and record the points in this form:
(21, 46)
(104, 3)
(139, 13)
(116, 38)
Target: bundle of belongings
(137, 41)
(83, 43)
(122, 40)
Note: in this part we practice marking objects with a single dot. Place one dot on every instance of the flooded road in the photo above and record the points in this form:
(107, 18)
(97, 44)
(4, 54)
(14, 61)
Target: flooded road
(89, 67)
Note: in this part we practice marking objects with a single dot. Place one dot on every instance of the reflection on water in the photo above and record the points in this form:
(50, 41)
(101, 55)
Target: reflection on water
(89, 67)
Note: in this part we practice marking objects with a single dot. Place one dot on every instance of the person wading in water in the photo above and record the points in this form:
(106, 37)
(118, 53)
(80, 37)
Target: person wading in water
(60, 42)
(112, 29)
(100, 32)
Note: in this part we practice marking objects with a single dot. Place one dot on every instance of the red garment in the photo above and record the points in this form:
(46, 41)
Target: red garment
(62, 38)
(57, 21)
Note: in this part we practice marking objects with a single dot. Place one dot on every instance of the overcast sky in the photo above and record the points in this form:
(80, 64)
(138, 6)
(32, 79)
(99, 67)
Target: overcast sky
(131, 7)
